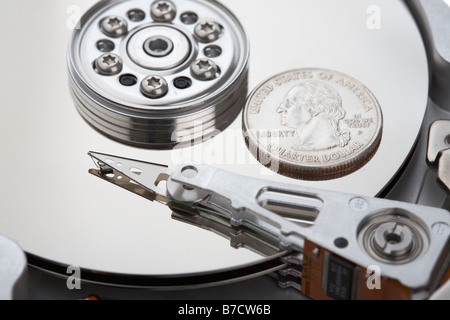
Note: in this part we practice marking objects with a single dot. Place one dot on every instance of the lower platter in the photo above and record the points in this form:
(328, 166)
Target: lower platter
(56, 211)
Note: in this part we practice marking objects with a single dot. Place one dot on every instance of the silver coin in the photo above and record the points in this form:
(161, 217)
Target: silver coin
(313, 124)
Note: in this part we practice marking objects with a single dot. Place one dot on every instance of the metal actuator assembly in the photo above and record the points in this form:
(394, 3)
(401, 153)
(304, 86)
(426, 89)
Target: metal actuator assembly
(326, 240)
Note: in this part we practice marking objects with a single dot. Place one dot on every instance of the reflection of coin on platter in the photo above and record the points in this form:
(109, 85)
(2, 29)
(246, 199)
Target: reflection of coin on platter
(313, 124)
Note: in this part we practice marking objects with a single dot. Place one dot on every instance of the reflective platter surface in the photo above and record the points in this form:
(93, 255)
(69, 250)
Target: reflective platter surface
(54, 209)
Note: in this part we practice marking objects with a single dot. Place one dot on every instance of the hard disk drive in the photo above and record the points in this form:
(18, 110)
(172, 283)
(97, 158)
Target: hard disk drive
(140, 138)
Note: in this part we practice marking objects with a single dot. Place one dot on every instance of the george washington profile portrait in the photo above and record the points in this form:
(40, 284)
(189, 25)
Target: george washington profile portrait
(314, 110)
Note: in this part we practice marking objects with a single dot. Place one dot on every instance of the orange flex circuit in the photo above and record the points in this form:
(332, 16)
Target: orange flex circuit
(327, 276)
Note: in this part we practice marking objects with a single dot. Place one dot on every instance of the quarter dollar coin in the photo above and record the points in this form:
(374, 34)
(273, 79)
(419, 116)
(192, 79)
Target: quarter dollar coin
(313, 124)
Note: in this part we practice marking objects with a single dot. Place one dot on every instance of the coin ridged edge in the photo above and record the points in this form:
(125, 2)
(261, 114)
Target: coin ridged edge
(314, 174)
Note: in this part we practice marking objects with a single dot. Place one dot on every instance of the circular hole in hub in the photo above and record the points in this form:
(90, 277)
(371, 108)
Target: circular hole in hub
(189, 18)
(158, 46)
(393, 238)
(105, 45)
(212, 51)
(182, 83)
(136, 15)
(128, 80)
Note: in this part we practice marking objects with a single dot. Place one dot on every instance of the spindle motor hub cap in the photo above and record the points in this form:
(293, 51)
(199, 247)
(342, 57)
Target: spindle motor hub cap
(156, 74)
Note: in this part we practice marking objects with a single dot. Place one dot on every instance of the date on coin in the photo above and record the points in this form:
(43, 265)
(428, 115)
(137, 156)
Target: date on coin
(313, 124)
